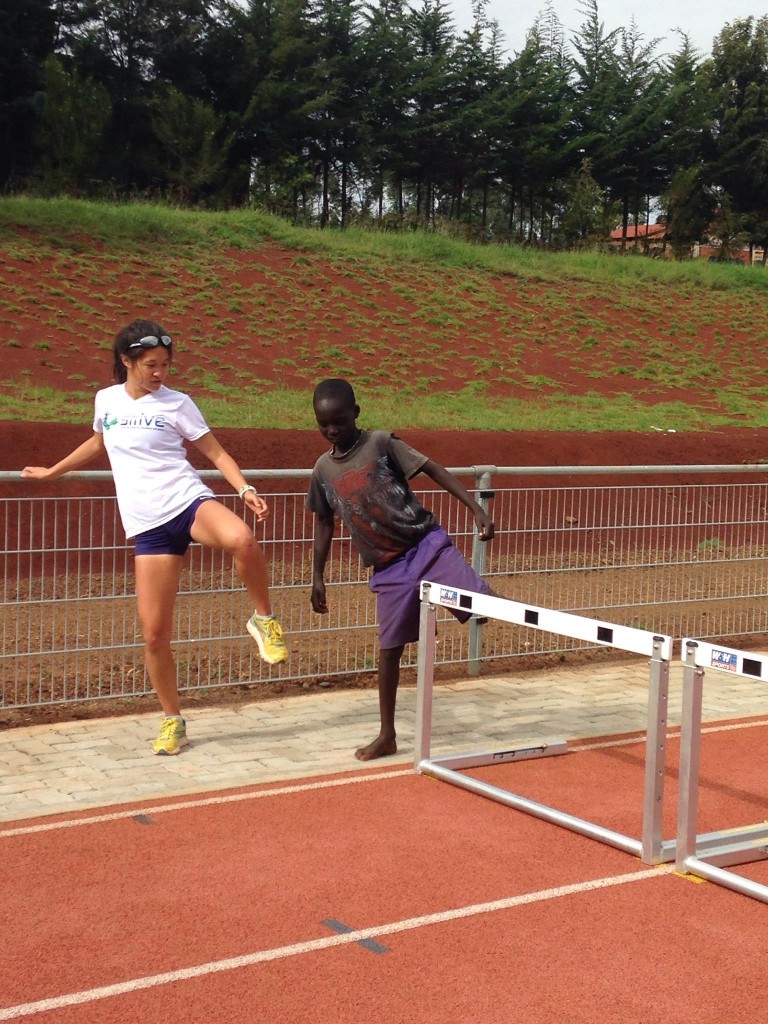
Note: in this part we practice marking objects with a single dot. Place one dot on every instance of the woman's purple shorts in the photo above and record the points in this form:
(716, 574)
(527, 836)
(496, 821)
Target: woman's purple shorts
(396, 586)
(173, 537)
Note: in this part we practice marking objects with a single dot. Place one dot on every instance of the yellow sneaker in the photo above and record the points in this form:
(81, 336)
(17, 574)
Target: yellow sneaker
(173, 736)
(268, 634)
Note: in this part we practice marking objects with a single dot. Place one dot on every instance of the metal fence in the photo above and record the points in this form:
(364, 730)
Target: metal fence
(645, 549)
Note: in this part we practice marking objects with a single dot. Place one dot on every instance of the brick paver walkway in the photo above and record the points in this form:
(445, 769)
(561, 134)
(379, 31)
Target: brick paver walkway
(47, 769)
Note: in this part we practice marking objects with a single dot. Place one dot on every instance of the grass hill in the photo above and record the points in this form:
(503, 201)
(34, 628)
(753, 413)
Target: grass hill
(436, 333)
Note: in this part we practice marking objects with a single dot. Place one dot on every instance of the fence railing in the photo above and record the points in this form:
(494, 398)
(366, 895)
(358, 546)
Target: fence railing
(682, 558)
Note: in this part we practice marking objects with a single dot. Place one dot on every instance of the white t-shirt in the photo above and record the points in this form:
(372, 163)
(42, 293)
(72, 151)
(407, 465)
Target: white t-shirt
(144, 440)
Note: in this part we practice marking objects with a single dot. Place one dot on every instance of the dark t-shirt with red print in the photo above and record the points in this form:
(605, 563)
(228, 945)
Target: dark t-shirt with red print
(367, 488)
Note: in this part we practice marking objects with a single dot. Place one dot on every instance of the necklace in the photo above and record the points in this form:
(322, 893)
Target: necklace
(335, 452)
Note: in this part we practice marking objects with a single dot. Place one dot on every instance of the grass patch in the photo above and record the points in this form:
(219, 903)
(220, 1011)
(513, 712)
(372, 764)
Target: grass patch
(74, 225)
(469, 410)
(26, 402)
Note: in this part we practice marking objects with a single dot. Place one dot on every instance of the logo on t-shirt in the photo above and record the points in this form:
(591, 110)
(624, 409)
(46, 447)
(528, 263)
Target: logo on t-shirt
(142, 422)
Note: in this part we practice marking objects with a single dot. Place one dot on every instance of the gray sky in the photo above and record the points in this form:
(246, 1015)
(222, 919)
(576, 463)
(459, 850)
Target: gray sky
(701, 19)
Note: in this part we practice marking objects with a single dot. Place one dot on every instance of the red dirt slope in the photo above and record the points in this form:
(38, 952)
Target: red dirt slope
(23, 444)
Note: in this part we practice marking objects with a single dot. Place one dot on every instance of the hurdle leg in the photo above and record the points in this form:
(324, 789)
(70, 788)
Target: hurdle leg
(653, 851)
(425, 677)
(708, 856)
(690, 760)
(479, 553)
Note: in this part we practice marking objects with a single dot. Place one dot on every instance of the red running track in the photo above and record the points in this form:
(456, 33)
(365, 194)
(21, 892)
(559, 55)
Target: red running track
(386, 896)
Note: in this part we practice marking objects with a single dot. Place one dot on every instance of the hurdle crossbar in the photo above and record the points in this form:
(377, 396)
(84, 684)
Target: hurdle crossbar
(711, 854)
(650, 847)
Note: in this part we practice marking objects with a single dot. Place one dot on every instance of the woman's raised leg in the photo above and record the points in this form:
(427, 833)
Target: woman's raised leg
(218, 527)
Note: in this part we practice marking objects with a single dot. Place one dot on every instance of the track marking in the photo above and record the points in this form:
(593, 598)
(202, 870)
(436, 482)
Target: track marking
(344, 929)
(138, 813)
(672, 734)
(328, 942)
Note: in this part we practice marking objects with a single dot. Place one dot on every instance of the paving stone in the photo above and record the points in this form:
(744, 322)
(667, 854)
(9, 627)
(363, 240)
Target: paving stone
(97, 763)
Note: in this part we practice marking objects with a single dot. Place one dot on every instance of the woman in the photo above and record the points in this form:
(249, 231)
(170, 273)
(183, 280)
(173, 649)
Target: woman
(165, 505)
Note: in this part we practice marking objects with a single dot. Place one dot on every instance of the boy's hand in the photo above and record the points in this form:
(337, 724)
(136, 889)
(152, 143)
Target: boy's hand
(485, 527)
(34, 473)
(319, 603)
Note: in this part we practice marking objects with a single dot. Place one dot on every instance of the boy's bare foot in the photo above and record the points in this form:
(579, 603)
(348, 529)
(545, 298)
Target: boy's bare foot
(382, 746)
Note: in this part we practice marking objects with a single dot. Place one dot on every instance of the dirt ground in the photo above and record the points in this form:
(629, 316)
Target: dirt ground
(24, 444)
(273, 317)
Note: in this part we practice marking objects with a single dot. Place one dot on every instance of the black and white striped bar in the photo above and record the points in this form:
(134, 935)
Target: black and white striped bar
(649, 847)
(578, 627)
(710, 855)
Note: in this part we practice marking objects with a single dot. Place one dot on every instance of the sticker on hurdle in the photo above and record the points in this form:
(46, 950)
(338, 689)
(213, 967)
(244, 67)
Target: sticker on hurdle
(709, 855)
(650, 847)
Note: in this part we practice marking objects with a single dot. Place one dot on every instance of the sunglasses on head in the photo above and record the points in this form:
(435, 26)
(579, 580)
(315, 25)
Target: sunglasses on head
(152, 341)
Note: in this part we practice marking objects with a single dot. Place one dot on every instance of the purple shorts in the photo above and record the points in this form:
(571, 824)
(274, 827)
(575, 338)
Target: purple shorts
(173, 537)
(396, 586)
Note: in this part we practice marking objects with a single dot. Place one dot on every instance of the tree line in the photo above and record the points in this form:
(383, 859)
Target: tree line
(333, 112)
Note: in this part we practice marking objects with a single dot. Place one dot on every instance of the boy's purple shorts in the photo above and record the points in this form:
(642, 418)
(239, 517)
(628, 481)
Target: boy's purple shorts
(396, 586)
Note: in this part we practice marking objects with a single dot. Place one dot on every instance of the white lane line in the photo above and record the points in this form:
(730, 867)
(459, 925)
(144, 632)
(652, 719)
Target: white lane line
(327, 942)
(305, 787)
(673, 733)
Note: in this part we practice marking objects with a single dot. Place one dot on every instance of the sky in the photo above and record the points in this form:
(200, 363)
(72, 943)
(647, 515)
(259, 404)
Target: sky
(701, 19)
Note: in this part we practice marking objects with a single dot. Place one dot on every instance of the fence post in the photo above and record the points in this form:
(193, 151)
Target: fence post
(483, 495)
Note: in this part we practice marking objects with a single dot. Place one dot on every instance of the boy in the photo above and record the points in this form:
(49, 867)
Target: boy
(364, 480)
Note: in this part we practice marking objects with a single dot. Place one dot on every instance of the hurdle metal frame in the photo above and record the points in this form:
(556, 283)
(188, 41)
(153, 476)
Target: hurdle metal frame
(651, 847)
(708, 856)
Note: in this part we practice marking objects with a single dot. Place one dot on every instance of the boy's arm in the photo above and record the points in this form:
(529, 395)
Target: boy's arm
(320, 550)
(446, 480)
(81, 456)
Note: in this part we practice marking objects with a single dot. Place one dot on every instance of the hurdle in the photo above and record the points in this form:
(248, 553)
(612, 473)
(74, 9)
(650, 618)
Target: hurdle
(709, 855)
(650, 847)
